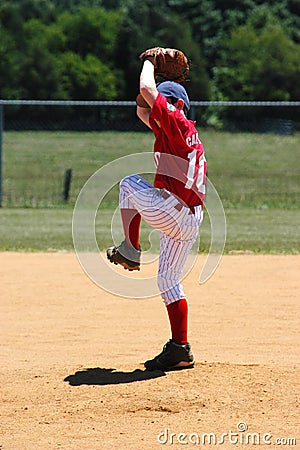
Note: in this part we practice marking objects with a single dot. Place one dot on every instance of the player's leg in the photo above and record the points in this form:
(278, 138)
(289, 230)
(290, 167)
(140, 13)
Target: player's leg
(177, 352)
(135, 192)
(138, 198)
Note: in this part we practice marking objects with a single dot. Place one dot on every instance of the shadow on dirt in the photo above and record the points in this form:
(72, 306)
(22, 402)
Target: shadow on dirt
(100, 376)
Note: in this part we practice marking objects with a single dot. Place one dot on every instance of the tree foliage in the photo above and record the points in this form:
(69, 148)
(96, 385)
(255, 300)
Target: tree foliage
(88, 49)
(150, 24)
(259, 63)
(70, 57)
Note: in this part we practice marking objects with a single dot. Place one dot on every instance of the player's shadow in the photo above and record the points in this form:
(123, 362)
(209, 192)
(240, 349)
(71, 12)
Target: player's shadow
(100, 376)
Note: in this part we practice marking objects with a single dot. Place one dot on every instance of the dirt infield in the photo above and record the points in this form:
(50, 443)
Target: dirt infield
(71, 372)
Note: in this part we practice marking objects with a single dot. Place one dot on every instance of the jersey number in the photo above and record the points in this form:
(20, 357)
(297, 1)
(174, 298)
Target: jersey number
(191, 175)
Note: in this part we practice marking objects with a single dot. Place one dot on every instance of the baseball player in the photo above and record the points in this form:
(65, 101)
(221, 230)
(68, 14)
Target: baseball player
(174, 205)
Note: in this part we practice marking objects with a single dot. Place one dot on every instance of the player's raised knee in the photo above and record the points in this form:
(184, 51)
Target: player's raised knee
(127, 181)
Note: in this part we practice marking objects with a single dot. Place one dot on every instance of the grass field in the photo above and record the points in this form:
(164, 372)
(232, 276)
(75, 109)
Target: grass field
(256, 176)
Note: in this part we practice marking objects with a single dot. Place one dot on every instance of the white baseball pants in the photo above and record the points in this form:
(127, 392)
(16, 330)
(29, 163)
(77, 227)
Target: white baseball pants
(178, 230)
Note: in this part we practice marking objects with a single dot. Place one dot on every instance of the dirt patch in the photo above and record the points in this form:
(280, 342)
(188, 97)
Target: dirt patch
(71, 372)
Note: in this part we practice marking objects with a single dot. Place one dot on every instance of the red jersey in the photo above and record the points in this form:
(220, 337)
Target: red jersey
(184, 173)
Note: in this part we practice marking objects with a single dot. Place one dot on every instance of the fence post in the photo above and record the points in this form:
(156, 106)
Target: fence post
(67, 184)
(1, 137)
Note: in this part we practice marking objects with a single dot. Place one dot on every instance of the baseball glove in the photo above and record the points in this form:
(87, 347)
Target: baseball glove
(169, 63)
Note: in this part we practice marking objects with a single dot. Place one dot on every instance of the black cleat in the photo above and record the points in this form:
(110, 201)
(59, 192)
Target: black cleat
(125, 255)
(173, 357)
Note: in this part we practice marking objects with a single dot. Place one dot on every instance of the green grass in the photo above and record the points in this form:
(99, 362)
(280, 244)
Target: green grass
(34, 163)
(256, 176)
(257, 170)
(35, 229)
(260, 231)
(247, 169)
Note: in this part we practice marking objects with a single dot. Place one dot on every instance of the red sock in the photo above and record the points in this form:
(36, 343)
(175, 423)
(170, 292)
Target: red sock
(131, 220)
(178, 316)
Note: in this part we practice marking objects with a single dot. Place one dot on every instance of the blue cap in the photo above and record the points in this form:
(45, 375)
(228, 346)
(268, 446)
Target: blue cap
(173, 89)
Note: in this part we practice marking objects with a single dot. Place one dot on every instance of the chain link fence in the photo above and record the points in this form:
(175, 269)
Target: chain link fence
(275, 117)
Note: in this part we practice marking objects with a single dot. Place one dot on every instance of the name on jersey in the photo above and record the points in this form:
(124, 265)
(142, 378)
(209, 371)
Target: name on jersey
(193, 140)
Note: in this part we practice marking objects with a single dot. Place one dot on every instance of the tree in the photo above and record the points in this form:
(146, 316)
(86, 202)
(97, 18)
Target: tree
(74, 5)
(259, 64)
(150, 24)
(67, 59)
(212, 21)
(91, 31)
(17, 12)
(10, 83)
(86, 78)
(40, 78)
(234, 46)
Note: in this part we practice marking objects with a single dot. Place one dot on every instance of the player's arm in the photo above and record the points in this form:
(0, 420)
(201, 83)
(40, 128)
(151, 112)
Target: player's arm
(148, 92)
(147, 83)
(144, 115)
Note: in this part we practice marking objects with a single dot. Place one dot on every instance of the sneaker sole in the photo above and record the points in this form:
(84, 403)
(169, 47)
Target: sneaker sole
(180, 366)
(185, 364)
